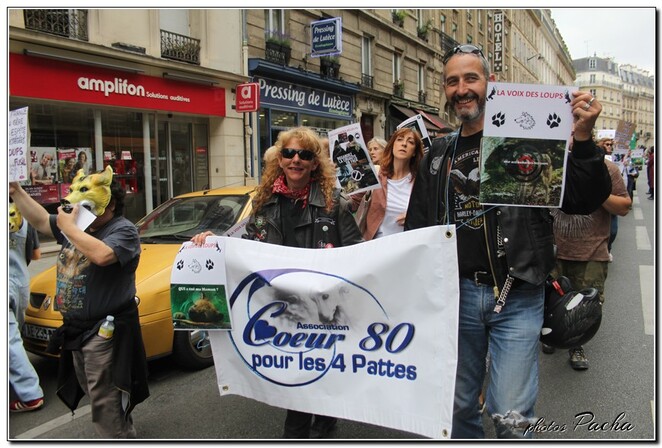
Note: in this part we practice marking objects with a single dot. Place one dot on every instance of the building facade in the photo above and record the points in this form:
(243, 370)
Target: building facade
(625, 92)
(152, 91)
(146, 91)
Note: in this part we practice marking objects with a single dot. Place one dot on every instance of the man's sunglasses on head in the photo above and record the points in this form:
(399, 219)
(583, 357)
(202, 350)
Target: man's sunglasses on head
(468, 49)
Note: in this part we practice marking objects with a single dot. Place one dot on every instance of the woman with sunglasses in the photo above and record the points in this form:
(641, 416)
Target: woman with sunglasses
(297, 205)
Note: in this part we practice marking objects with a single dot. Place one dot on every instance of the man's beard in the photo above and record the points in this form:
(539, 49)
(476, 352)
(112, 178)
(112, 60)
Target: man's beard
(469, 115)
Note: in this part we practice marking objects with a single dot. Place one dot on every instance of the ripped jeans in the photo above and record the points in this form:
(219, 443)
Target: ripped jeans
(513, 337)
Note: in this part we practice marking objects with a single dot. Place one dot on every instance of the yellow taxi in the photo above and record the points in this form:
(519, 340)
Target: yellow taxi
(222, 210)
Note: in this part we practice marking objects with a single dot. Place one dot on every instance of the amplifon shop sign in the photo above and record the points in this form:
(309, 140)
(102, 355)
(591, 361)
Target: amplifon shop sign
(92, 85)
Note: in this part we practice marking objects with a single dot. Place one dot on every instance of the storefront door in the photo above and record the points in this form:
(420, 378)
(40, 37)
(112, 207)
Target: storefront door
(180, 169)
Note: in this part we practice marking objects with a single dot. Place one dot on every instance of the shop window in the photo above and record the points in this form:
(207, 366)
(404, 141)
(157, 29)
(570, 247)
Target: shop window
(122, 137)
(61, 141)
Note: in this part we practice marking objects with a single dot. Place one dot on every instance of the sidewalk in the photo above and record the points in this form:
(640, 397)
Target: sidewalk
(48, 245)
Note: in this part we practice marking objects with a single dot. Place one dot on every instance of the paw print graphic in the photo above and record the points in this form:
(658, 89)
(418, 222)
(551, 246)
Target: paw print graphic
(209, 265)
(498, 119)
(553, 121)
(180, 265)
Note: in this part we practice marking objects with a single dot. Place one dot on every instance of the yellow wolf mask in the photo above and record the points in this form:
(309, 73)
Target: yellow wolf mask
(92, 191)
(15, 218)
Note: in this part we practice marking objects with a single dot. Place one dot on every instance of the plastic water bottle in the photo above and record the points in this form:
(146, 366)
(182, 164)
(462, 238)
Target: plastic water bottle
(107, 328)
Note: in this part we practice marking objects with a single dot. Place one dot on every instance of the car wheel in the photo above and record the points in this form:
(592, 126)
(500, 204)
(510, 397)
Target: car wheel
(192, 349)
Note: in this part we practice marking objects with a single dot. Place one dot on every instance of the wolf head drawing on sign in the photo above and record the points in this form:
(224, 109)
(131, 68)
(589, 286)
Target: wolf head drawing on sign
(91, 191)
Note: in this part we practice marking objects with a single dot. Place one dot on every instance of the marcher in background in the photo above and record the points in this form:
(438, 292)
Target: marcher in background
(505, 253)
(582, 255)
(324, 141)
(23, 245)
(632, 175)
(95, 278)
(607, 145)
(297, 205)
(387, 207)
(376, 149)
(269, 155)
(650, 172)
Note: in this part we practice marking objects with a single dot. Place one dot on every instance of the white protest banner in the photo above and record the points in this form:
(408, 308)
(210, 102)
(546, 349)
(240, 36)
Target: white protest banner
(366, 332)
(17, 142)
(354, 168)
(524, 147)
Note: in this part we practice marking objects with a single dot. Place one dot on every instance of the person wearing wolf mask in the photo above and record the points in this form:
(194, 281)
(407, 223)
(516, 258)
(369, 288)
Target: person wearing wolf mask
(95, 278)
(23, 247)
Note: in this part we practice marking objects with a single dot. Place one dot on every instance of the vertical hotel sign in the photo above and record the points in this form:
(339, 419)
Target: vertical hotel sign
(498, 42)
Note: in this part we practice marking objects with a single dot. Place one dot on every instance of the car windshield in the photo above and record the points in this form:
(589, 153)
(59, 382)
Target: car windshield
(180, 218)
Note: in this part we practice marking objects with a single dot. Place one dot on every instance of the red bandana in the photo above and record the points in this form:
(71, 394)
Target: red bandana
(281, 187)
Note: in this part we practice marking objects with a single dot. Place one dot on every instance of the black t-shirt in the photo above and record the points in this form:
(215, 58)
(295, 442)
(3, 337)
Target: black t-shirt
(290, 213)
(465, 210)
(87, 291)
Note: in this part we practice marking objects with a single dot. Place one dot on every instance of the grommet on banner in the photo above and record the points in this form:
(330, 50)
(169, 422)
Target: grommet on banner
(449, 234)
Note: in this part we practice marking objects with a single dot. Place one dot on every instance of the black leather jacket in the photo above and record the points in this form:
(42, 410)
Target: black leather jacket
(527, 232)
(315, 229)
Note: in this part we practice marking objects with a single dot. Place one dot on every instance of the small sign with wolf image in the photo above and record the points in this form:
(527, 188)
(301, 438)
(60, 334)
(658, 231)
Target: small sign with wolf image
(198, 298)
(199, 306)
(526, 136)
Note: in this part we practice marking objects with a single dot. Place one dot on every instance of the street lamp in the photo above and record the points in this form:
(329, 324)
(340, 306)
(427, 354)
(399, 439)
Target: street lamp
(539, 56)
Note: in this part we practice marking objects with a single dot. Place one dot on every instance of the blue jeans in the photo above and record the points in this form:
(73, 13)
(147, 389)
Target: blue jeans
(512, 338)
(613, 231)
(22, 375)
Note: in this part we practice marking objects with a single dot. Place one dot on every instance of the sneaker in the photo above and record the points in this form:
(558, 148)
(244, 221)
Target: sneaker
(31, 405)
(578, 360)
(611, 257)
(548, 349)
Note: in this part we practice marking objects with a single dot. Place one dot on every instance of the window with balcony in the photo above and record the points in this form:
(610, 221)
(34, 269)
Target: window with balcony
(421, 83)
(398, 83)
(71, 23)
(278, 46)
(592, 79)
(176, 42)
(366, 62)
(274, 21)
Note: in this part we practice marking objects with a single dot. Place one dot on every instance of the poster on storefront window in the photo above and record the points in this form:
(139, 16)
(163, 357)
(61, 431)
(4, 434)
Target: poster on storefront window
(42, 186)
(66, 161)
(83, 160)
(354, 168)
(43, 166)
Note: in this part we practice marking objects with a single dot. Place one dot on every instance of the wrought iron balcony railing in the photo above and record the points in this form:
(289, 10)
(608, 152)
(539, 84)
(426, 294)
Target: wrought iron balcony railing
(71, 23)
(180, 48)
(366, 80)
